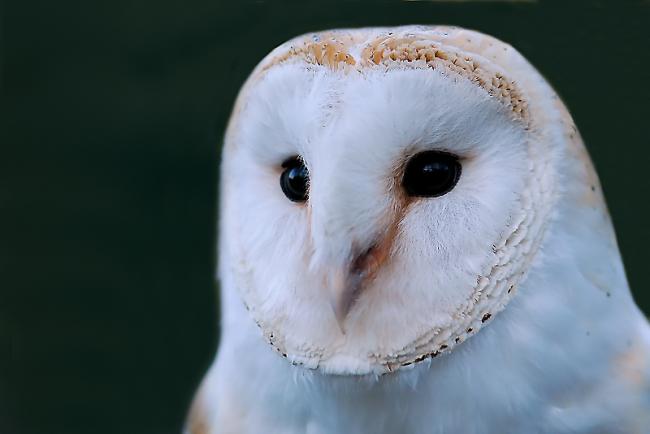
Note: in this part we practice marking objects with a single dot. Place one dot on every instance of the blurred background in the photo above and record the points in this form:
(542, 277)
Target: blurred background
(112, 115)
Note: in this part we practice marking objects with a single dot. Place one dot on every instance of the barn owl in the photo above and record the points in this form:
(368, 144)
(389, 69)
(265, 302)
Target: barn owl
(413, 240)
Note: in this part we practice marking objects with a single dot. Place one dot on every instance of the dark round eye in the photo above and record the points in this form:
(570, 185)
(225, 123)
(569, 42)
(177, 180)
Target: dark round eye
(431, 174)
(295, 180)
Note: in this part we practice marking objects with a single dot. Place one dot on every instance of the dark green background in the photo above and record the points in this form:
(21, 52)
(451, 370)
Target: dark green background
(112, 116)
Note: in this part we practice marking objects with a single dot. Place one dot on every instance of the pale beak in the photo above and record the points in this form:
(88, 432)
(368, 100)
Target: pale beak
(348, 286)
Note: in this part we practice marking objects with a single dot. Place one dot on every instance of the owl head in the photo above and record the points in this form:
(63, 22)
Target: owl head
(384, 192)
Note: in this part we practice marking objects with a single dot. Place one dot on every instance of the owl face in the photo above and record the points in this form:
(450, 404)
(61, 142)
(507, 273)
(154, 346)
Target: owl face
(380, 203)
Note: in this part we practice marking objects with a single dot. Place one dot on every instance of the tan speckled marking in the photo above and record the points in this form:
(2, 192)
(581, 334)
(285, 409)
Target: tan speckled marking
(592, 195)
(333, 50)
(631, 364)
(197, 421)
(436, 56)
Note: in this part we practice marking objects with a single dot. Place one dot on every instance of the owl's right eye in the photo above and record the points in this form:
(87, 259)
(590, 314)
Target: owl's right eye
(294, 180)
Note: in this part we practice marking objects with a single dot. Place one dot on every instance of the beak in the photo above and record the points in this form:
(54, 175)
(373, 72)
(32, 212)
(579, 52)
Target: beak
(346, 289)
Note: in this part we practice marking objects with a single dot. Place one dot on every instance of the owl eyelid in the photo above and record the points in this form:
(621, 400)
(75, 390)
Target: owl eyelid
(413, 152)
(291, 160)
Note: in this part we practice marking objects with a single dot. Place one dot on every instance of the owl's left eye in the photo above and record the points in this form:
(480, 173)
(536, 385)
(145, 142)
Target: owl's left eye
(294, 180)
(431, 174)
